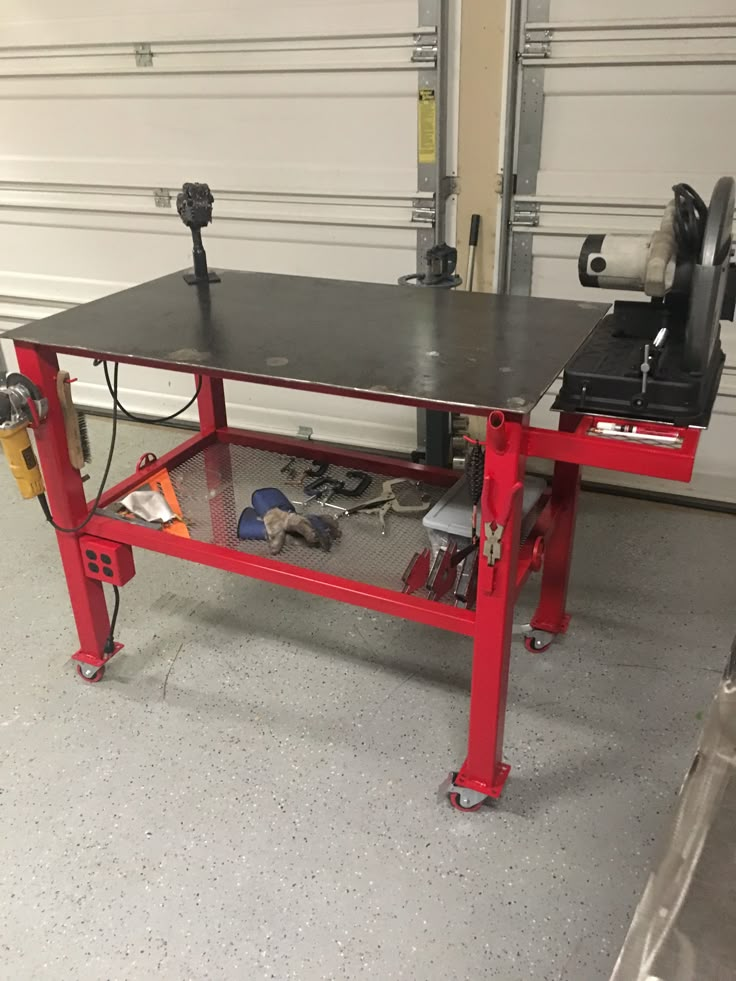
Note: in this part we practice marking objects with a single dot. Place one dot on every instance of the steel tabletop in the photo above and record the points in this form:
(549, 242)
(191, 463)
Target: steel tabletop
(423, 347)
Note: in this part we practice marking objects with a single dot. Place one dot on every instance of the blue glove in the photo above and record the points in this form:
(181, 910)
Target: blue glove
(251, 527)
(250, 524)
(270, 497)
(273, 515)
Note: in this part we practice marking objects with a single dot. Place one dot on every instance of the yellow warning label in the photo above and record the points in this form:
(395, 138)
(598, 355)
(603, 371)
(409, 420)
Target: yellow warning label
(427, 126)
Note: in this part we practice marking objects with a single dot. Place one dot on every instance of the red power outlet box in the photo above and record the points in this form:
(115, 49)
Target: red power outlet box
(107, 561)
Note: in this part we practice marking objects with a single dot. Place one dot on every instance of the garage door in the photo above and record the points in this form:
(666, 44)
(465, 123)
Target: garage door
(301, 116)
(612, 113)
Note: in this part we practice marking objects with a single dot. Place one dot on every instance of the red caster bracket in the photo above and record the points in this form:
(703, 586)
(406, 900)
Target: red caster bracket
(91, 667)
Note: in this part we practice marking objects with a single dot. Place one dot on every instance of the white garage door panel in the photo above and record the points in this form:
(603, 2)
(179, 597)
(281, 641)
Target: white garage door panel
(314, 171)
(644, 10)
(609, 132)
(89, 22)
(252, 132)
(98, 247)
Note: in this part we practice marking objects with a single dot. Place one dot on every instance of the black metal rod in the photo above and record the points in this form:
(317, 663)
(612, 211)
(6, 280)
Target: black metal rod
(472, 245)
(200, 256)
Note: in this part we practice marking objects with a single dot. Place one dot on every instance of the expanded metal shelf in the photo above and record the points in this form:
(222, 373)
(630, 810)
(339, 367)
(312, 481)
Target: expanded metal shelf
(215, 485)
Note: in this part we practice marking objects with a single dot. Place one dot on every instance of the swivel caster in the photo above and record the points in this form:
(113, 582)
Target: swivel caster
(456, 799)
(538, 641)
(464, 799)
(91, 674)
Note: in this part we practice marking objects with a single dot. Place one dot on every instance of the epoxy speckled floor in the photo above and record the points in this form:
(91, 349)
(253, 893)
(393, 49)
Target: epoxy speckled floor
(252, 791)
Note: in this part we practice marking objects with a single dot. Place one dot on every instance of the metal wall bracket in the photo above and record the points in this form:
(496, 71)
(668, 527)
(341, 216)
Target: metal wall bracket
(430, 57)
(305, 432)
(425, 48)
(423, 212)
(162, 197)
(522, 262)
(537, 44)
(143, 56)
(448, 186)
(434, 431)
(525, 117)
(526, 213)
(529, 132)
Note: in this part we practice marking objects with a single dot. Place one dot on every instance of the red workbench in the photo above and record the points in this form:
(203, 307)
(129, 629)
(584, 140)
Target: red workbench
(438, 350)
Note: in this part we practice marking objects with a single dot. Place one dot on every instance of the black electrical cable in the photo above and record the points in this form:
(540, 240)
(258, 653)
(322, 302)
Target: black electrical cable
(109, 647)
(42, 497)
(136, 418)
(691, 214)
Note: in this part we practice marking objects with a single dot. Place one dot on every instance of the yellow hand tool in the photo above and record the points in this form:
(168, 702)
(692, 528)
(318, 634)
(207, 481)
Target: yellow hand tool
(17, 393)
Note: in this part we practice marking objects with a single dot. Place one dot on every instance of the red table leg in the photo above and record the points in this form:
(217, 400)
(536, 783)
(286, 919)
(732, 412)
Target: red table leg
(551, 617)
(65, 494)
(484, 773)
(217, 460)
(211, 404)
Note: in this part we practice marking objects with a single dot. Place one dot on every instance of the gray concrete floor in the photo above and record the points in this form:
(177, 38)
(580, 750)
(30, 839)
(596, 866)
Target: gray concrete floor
(252, 792)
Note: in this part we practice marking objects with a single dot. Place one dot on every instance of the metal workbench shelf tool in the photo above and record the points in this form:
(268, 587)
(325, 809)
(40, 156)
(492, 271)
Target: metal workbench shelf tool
(484, 355)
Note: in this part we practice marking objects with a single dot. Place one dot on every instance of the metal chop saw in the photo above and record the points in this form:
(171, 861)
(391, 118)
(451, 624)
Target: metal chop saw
(661, 360)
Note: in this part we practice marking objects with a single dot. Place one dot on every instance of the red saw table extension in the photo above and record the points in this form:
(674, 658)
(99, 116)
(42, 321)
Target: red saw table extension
(480, 355)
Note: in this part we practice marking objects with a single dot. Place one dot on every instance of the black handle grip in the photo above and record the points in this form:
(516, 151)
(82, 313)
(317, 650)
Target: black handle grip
(474, 229)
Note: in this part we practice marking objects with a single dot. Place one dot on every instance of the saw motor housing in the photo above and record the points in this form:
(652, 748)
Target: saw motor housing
(661, 360)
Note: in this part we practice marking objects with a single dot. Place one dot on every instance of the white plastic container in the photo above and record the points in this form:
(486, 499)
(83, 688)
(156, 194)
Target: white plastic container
(451, 517)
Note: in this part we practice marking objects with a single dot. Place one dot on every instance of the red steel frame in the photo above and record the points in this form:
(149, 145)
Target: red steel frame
(510, 440)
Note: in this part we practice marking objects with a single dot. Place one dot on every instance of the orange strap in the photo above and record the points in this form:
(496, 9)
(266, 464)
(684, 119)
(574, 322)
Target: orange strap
(161, 482)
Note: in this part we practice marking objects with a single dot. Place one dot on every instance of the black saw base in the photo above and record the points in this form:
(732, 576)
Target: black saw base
(604, 377)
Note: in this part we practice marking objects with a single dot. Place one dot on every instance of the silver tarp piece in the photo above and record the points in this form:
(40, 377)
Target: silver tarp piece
(684, 928)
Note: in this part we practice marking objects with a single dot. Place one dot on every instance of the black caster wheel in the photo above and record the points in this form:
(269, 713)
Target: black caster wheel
(90, 674)
(455, 801)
